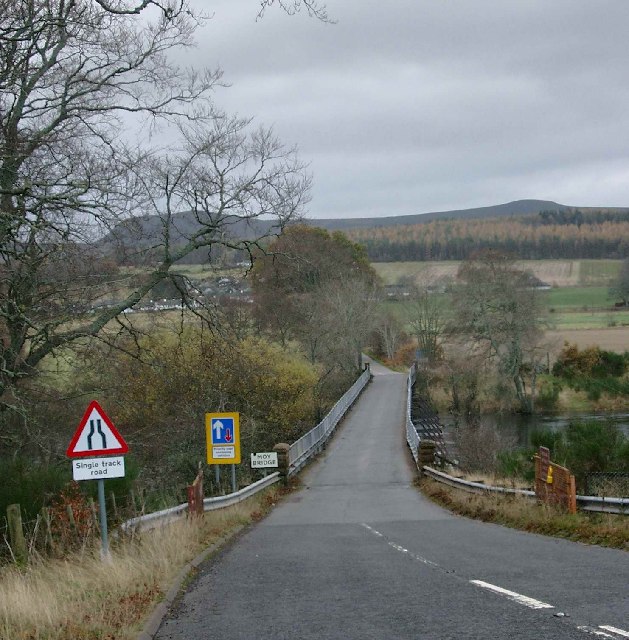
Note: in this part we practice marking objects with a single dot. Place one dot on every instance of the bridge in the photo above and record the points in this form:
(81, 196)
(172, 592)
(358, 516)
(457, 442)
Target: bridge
(359, 553)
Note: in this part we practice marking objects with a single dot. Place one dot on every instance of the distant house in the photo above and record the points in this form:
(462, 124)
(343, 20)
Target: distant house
(535, 283)
(397, 291)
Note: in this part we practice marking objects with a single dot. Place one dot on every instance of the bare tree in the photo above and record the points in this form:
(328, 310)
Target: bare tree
(390, 331)
(317, 288)
(426, 320)
(73, 75)
(314, 8)
(497, 307)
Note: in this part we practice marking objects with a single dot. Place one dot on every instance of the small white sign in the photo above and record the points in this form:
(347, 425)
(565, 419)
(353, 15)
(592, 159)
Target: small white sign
(264, 460)
(98, 468)
(223, 452)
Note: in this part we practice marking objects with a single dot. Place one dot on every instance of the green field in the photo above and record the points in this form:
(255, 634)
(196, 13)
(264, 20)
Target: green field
(579, 298)
(588, 319)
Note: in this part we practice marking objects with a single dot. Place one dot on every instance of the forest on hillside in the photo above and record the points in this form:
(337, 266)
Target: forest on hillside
(573, 234)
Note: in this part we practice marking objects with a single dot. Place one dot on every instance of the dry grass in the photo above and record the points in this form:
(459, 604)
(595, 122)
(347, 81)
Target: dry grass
(490, 479)
(611, 339)
(561, 273)
(525, 514)
(84, 598)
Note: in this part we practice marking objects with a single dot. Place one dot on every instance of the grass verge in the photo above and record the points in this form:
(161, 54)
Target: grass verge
(521, 513)
(83, 598)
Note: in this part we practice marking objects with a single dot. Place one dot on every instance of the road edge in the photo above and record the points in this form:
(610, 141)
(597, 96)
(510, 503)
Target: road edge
(155, 619)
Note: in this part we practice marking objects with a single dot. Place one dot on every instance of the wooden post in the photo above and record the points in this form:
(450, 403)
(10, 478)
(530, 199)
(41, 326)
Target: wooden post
(94, 511)
(46, 528)
(195, 495)
(426, 453)
(71, 520)
(114, 505)
(283, 465)
(16, 534)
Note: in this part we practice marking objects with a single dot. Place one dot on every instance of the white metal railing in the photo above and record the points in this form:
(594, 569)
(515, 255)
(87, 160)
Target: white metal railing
(312, 442)
(300, 452)
(166, 516)
(412, 437)
(618, 506)
(585, 503)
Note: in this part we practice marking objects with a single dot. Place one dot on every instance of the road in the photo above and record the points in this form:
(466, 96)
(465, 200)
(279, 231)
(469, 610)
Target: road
(359, 553)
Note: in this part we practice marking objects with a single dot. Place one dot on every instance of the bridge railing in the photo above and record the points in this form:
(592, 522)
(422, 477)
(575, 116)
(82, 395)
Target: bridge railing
(299, 454)
(412, 437)
(585, 503)
(313, 442)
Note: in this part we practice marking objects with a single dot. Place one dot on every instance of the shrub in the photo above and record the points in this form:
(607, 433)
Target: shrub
(30, 484)
(594, 446)
(549, 389)
(590, 362)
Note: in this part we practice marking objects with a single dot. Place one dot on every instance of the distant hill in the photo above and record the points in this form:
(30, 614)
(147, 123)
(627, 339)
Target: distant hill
(411, 237)
(516, 208)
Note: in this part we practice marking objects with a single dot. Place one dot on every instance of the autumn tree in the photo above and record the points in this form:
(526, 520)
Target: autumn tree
(75, 76)
(318, 289)
(499, 312)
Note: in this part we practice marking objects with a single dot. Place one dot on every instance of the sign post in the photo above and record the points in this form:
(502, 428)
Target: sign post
(222, 436)
(97, 436)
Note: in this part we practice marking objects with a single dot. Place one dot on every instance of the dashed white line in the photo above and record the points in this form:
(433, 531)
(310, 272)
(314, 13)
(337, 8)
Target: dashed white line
(595, 632)
(620, 632)
(512, 595)
(532, 603)
(397, 547)
(376, 533)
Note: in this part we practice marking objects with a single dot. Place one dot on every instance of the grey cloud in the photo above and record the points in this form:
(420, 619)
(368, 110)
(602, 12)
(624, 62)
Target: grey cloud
(408, 106)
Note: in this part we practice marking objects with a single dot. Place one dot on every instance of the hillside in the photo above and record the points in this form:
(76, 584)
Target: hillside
(549, 234)
(516, 208)
(529, 228)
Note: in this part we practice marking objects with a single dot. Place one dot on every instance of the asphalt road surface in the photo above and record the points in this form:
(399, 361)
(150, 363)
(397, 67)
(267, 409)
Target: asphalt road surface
(360, 553)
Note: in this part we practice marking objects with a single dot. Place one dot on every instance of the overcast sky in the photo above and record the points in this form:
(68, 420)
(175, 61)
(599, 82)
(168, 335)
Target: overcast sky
(409, 106)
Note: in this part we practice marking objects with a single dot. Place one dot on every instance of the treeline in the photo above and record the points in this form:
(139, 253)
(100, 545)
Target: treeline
(550, 234)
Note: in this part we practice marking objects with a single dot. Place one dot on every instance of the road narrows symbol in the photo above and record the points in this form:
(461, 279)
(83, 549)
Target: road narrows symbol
(99, 429)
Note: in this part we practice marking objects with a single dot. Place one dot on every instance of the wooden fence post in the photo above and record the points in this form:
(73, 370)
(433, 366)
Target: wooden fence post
(282, 449)
(16, 534)
(426, 453)
(46, 528)
(195, 495)
(72, 520)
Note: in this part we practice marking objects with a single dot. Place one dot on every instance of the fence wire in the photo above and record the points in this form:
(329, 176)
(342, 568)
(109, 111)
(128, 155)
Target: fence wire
(610, 483)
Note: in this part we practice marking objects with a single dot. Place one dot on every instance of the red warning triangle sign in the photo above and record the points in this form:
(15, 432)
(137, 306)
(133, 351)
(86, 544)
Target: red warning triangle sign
(96, 435)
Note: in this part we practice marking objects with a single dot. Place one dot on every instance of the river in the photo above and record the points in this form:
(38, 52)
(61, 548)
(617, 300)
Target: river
(519, 427)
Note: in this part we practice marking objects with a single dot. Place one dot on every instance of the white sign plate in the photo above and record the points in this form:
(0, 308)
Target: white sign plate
(98, 468)
(223, 452)
(264, 460)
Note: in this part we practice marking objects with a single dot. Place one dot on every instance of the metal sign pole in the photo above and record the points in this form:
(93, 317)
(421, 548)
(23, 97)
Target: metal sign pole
(217, 475)
(103, 520)
(233, 478)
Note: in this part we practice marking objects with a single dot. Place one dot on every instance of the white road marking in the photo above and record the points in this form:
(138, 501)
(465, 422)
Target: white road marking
(620, 632)
(595, 632)
(512, 595)
(376, 533)
(532, 603)
(397, 547)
